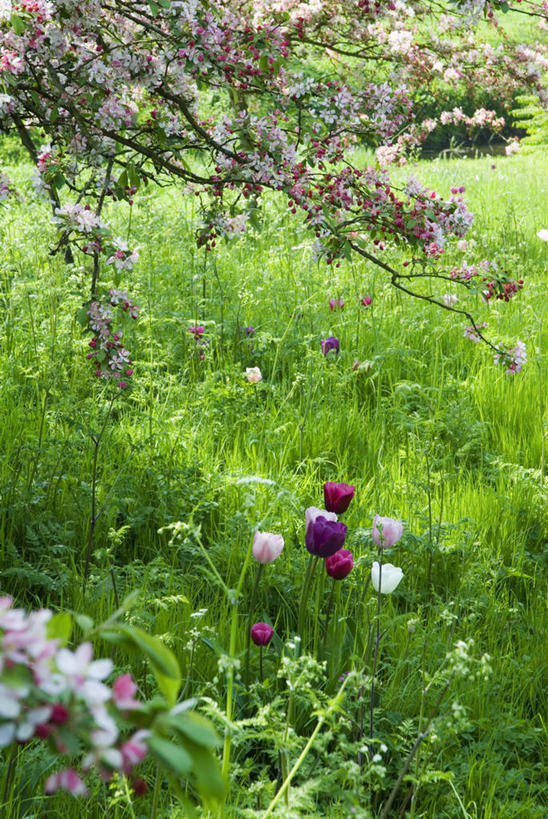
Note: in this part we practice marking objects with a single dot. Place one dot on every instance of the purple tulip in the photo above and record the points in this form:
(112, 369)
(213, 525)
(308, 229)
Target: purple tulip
(324, 536)
(261, 634)
(337, 496)
(329, 344)
(339, 565)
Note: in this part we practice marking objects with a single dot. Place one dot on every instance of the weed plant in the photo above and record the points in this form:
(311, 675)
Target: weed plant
(194, 458)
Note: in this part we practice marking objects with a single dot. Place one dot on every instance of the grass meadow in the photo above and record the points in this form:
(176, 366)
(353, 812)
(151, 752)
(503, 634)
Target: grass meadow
(192, 459)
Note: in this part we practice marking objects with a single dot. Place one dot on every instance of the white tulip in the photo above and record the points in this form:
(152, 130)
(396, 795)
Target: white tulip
(389, 577)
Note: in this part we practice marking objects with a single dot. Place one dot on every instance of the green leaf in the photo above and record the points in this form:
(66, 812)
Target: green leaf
(163, 661)
(208, 776)
(85, 622)
(154, 7)
(196, 728)
(17, 23)
(60, 627)
(165, 4)
(172, 756)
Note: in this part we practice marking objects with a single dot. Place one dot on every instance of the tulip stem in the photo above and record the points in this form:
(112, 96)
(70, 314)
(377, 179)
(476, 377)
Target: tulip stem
(376, 654)
(261, 677)
(233, 599)
(328, 615)
(260, 568)
(311, 566)
(319, 595)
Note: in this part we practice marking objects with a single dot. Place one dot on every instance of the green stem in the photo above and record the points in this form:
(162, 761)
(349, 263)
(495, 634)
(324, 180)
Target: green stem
(155, 795)
(260, 568)
(234, 598)
(328, 615)
(304, 753)
(311, 566)
(319, 595)
(376, 655)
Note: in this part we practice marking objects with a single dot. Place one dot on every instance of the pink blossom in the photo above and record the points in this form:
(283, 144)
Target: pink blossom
(123, 692)
(67, 780)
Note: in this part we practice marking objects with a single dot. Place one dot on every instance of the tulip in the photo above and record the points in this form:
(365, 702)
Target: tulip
(386, 531)
(267, 547)
(389, 577)
(339, 565)
(253, 375)
(324, 535)
(329, 344)
(337, 496)
(261, 634)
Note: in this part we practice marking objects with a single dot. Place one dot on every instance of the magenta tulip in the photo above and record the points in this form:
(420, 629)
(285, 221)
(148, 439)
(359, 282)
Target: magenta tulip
(339, 565)
(337, 496)
(261, 634)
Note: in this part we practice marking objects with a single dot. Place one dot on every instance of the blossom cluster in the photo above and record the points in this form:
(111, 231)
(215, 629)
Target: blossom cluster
(108, 354)
(514, 358)
(60, 696)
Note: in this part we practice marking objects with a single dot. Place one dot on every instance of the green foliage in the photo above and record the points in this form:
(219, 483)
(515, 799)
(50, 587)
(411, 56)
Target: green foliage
(195, 458)
(532, 116)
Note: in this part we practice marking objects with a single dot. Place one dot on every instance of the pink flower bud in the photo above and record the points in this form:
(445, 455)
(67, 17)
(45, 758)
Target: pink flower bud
(386, 531)
(261, 634)
(267, 547)
(339, 565)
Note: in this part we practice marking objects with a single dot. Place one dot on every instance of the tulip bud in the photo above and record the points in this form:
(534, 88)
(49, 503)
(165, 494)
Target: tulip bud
(267, 547)
(261, 634)
(339, 565)
(337, 496)
(388, 579)
(386, 531)
(329, 344)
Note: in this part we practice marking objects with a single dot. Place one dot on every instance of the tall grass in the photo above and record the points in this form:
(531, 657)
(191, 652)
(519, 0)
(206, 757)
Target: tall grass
(428, 429)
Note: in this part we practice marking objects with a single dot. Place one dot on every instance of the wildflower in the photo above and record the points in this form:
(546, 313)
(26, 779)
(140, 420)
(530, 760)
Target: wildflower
(388, 579)
(197, 330)
(324, 535)
(329, 344)
(337, 496)
(339, 565)
(386, 531)
(267, 547)
(366, 301)
(261, 634)
(336, 304)
(449, 299)
(543, 235)
(253, 375)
